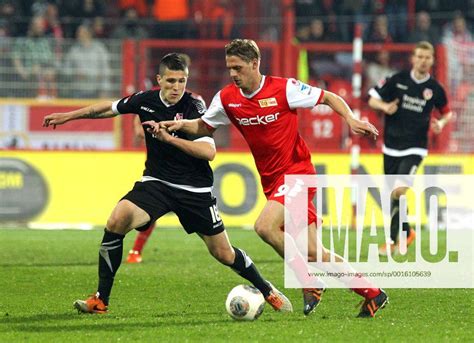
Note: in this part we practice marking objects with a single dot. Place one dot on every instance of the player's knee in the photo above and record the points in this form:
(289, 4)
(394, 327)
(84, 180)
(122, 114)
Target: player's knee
(263, 230)
(399, 191)
(115, 224)
(225, 256)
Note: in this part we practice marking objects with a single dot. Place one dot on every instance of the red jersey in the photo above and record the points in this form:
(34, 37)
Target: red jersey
(267, 119)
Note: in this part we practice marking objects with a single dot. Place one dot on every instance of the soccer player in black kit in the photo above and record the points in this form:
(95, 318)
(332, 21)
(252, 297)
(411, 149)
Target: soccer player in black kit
(177, 178)
(407, 98)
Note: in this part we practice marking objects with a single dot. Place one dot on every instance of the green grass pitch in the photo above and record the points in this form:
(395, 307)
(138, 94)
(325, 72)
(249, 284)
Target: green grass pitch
(178, 295)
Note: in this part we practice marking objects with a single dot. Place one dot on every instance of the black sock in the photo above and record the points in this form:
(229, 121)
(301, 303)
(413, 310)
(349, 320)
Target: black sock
(110, 258)
(395, 222)
(406, 227)
(244, 266)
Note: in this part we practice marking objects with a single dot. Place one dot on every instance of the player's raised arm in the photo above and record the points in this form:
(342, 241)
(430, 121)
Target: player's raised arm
(95, 111)
(342, 108)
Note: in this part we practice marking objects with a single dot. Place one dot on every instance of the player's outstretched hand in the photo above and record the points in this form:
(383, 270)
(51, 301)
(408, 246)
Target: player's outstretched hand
(363, 128)
(172, 125)
(157, 130)
(55, 119)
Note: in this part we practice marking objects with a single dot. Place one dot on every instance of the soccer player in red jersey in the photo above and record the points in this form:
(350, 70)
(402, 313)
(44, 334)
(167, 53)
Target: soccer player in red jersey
(263, 108)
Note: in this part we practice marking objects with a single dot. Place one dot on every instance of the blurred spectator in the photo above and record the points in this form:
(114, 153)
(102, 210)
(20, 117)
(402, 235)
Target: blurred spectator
(423, 30)
(307, 11)
(9, 14)
(86, 8)
(379, 69)
(353, 11)
(86, 67)
(52, 25)
(5, 60)
(396, 12)
(379, 32)
(172, 19)
(99, 29)
(318, 32)
(215, 19)
(73, 12)
(129, 27)
(457, 31)
(34, 62)
(140, 6)
(458, 38)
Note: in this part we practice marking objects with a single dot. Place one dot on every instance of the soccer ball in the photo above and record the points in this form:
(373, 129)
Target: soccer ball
(245, 303)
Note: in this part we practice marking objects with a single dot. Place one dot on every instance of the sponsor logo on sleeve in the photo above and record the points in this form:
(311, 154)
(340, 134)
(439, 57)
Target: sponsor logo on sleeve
(269, 102)
(381, 83)
(305, 89)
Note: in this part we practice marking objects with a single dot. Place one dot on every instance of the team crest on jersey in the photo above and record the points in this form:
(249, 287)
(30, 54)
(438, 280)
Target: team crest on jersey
(269, 102)
(178, 116)
(427, 94)
(381, 82)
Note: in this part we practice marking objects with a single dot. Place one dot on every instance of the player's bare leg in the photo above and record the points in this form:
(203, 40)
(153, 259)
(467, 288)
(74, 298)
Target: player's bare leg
(269, 226)
(219, 246)
(125, 217)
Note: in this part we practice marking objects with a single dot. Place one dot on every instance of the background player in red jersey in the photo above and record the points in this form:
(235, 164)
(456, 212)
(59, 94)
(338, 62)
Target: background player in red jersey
(263, 108)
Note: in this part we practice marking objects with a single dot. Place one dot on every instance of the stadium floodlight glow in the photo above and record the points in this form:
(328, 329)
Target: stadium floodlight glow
(438, 207)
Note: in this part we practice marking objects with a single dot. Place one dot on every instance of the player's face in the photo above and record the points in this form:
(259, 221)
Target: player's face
(172, 84)
(243, 74)
(422, 60)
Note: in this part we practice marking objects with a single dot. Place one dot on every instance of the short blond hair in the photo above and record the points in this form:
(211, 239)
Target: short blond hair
(246, 49)
(424, 45)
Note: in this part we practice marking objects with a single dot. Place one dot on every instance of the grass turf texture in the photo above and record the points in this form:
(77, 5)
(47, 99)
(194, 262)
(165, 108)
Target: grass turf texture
(178, 294)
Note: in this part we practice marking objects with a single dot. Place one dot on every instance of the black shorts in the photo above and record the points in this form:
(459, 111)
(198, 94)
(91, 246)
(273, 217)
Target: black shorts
(405, 165)
(197, 212)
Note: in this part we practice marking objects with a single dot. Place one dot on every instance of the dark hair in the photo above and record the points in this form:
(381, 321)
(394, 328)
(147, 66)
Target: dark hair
(172, 61)
(246, 49)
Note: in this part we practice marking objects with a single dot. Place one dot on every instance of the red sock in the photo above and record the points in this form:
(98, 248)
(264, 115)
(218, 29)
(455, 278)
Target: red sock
(364, 287)
(142, 237)
(298, 265)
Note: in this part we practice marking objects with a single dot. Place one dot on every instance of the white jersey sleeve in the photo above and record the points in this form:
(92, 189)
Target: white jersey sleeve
(114, 107)
(301, 95)
(215, 115)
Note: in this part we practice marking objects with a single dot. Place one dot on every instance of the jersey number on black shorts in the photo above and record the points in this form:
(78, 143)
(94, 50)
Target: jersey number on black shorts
(215, 214)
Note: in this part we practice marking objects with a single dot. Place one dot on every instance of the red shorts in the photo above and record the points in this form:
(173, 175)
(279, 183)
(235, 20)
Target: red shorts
(281, 190)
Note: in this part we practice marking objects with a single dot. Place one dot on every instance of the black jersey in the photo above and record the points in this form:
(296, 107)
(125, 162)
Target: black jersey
(164, 161)
(408, 126)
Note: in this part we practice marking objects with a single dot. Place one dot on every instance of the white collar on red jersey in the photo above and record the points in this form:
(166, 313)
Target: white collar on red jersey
(258, 89)
(412, 75)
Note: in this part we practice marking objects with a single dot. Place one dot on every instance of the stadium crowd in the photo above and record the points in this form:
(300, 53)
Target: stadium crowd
(385, 21)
